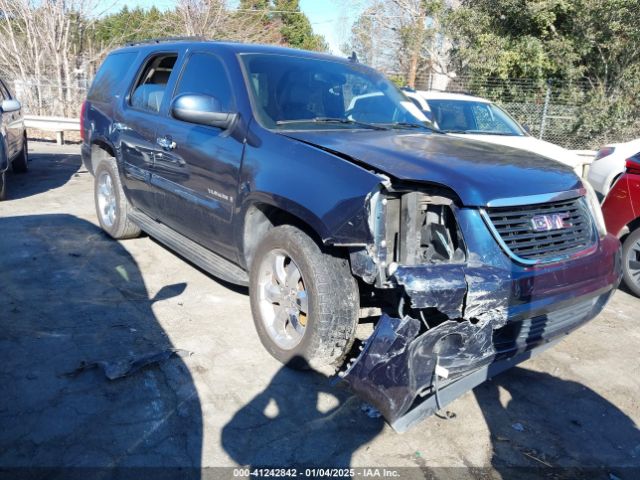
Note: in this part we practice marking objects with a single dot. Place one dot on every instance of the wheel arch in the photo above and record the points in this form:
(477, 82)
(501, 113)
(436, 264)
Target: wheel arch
(100, 149)
(260, 215)
(629, 228)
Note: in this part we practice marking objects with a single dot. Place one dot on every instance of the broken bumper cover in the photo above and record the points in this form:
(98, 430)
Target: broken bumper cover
(525, 311)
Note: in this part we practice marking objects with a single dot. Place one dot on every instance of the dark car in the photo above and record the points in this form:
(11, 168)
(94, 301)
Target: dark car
(13, 137)
(256, 164)
(621, 210)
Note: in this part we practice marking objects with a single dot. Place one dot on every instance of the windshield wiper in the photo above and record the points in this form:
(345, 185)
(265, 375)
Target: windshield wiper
(455, 131)
(344, 121)
(412, 125)
(489, 132)
(480, 132)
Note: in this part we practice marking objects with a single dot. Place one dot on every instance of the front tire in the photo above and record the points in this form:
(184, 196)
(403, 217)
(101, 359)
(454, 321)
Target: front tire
(631, 261)
(112, 206)
(304, 300)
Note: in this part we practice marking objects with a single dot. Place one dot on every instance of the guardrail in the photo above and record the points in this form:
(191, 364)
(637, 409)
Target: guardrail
(53, 124)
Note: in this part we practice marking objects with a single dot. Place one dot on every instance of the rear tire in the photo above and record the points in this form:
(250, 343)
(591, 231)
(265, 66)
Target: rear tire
(631, 261)
(304, 300)
(112, 206)
(21, 163)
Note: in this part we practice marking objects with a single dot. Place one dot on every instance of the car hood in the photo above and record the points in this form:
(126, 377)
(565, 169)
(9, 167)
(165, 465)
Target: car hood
(531, 144)
(478, 172)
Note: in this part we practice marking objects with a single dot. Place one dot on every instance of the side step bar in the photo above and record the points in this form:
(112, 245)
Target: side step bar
(202, 257)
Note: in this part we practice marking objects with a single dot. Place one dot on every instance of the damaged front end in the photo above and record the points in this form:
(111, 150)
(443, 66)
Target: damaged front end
(452, 291)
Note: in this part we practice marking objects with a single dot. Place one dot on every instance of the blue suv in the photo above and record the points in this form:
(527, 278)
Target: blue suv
(316, 182)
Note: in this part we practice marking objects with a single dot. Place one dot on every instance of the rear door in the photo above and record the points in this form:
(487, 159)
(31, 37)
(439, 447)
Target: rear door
(197, 172)
(141, 118)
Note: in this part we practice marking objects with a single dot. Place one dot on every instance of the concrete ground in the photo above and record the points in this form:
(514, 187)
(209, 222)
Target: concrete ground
(71, 296)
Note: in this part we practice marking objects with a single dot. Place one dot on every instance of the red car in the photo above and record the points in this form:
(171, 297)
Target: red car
(621, 211)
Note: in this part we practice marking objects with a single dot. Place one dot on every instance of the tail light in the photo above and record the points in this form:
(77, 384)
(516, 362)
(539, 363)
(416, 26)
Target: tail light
(633, 165)
(82, 112)
(604, 152)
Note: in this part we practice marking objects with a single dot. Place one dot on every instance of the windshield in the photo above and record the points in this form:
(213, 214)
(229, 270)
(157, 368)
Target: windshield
(464, 116)
(292, 92)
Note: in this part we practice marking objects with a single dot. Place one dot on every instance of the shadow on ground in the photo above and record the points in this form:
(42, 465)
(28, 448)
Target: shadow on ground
(299, 420)
(47, 170)
(71, 295)
(549, 422)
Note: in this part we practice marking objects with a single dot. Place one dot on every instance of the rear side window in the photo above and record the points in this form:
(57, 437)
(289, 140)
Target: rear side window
(110, 76)
(206, 75)
(152, 84)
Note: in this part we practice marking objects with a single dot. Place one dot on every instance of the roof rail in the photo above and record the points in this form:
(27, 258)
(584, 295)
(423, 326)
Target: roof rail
(167, 39)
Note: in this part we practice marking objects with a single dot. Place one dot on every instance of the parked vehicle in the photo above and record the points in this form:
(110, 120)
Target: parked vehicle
(621, 211)
(13, 137)
(254, 163)
(480, 119)
(609, 165)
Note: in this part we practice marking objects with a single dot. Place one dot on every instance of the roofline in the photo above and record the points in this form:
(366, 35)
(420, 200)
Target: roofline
(151, 41)
(235, 47)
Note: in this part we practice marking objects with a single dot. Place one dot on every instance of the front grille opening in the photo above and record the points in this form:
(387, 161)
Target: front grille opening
(422, 230)
(516, 227)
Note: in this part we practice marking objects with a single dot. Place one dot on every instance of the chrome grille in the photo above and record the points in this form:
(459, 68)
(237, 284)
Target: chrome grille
(515, 228)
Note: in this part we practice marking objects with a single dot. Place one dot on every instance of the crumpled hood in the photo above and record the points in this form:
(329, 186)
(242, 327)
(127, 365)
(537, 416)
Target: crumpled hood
(478, 172)
(531, 144)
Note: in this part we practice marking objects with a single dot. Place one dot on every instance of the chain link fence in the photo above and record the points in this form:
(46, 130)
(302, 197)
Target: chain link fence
(49, 99)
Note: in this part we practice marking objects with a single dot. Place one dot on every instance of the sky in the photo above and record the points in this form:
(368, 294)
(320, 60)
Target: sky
(330, 18)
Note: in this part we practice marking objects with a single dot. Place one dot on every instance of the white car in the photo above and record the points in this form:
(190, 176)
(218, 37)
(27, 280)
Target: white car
(609, 164)
(477, 118)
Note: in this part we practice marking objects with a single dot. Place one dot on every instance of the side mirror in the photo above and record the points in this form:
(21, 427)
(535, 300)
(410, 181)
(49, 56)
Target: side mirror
(527, 129)
(10, 106)
(203, 110)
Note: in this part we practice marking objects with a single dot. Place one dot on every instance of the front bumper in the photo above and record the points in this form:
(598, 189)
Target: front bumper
(500, 314)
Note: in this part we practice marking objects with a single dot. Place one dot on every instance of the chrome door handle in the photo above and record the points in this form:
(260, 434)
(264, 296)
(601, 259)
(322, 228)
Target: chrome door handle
(166, 143)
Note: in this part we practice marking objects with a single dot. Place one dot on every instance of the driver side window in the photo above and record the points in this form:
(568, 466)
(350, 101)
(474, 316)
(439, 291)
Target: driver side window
(204, 74)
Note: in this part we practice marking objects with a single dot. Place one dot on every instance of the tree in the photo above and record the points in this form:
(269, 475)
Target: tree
(296, 29)
(596, 42)
(44, 53)
(404, 36)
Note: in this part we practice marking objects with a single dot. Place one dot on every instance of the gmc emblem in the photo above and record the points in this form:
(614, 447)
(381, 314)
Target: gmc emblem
(546, 223)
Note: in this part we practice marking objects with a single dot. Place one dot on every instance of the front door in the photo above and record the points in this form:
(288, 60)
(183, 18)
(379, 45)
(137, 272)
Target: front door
(197, 172)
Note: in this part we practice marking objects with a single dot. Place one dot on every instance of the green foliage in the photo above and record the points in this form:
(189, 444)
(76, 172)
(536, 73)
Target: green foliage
(594, 41)
(255, 4)
(296, 29)
(130, 25)
(139, 24)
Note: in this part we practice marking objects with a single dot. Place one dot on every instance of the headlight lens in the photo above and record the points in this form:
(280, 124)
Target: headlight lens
(596, 211)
